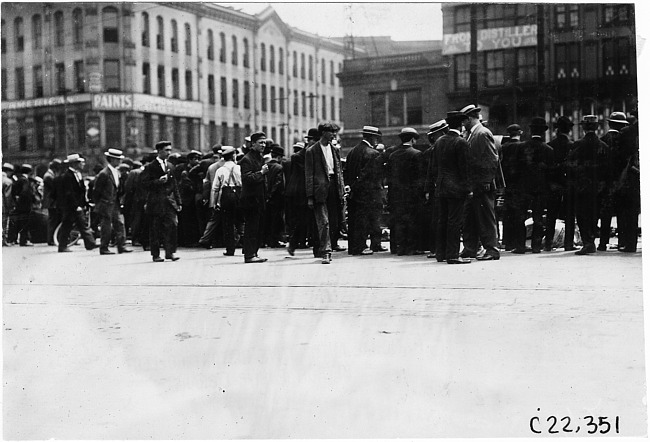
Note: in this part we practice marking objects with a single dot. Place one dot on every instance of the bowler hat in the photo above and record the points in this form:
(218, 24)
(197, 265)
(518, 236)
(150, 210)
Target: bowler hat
(257, 136)
(74, 158)
(409, 131)
(513, 128)
(470, 109)
(437, 126)
(276, 149)
(114, 153)
(618, 117)
(137, 164)
(538, 123)
(225, 150)
(312, 134)
(589, 119)
(162, 144)
(370, 130)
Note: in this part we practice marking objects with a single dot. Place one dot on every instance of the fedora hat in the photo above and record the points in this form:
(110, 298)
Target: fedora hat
(370, 130)
(225, 150)
(74, 158)
(538, 123)
(437, 126)
(312, 134)
(589, 119)
(299, 145)
(114, 153)
(470, 109)
(276, 149)
(618, 117)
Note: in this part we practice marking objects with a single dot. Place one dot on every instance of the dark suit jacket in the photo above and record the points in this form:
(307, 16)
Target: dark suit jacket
(253, 181)
(449, 166)
(534, 157)
(161, 197)
(615, 161)
(295, 185)
(317, 181)
(557, 175)
(23, 194)
(105, 193)
(586, 161)
(483, 158)
(275, 183)
(70, 194)
(403, 176)
(364, 174)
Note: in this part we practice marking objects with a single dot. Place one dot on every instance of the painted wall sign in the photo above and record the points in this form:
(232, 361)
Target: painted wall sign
(490, 39)
(59, 100)
(112, 102)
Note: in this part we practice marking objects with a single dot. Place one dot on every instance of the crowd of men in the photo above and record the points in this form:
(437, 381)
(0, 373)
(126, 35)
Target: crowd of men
(456, 190)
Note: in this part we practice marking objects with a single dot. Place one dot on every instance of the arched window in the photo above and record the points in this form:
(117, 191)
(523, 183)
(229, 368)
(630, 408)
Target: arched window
(110, 17)
(235, 56)
(188, 39)
(246, 59)
(263, 57)
(222, 51)
(271, 58)
(174, 45)
(19, 36)
(58, 28)
(77, 26)
(160, 36)
(281, 61)
(37, 31)
(145, 29)
(210, 45)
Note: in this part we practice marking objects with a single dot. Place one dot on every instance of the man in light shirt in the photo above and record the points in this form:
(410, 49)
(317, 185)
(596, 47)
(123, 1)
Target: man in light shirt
(226, 190)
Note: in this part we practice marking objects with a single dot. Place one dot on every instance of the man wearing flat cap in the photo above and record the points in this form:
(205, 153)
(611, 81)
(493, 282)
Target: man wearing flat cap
(534, 157)
(71, 200)
(430, 204)
(403, 180)
(253, 197)
(364, 174)
(449, 172)
(587, 159)
(324, 190)
(609, 174)
(561, 193)
(163, 203)
(480, 222)
(107, 190)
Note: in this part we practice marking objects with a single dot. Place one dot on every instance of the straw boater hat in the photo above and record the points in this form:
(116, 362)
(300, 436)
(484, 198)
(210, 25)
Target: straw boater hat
(114, 153)
(74, 158)
(437, 127)
(8, 166)
(470, 109)
(299, 145)
(589, 119)
(371, 130)
(225, 150)
(618, 117)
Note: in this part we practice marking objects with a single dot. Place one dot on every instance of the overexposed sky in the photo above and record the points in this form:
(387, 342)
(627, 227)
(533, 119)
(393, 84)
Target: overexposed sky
(401, 21)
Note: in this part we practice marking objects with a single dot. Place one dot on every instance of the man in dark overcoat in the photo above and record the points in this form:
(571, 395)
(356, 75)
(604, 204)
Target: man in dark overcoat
(301, 217)
(274, 214)
(427, 177)
(511, 193)
(163, 203)
(627, 194)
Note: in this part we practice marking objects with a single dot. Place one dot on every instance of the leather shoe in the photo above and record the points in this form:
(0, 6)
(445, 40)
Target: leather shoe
(589, 248)
(254, 260)
(338, 249)
(465, 254)
(487, 258)
(602, 248)
(548, 249)
(431, 255)
(459, 261)
(291, 251)
(379, 249)
(27, 244)
(67, 249)
(327, 258)
(157, 259)
(92, 247)
(228, 254)
(124, 251)
(106, 252)
(537, 251)
(205, 246)
(364, 252)
(626, 250)
(569, 249)
(518, 251)
(172, 258)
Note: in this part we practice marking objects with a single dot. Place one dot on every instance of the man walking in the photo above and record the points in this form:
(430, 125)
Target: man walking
(106, 194)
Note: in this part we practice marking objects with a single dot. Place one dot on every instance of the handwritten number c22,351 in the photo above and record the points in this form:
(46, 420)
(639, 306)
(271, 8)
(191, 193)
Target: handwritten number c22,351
(551, 429)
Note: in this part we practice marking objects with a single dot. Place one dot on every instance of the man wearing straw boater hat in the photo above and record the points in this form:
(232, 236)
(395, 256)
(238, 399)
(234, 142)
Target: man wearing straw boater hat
(363, 173)
(71, 200)
(430, 204)
(106, 193)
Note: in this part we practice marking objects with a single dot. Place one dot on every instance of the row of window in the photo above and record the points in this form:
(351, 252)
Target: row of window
(111, 78)
(566, 16)
(503, 68)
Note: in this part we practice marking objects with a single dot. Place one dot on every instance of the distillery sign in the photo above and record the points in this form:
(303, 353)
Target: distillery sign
(490, 39)
(147, 103)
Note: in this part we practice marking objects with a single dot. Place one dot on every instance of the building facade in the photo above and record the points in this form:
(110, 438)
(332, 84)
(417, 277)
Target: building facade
(589, 60)
(82, 77)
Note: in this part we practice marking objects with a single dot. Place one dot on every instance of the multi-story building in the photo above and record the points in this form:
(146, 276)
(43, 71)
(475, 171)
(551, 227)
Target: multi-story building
(82, 77)
(589, 63)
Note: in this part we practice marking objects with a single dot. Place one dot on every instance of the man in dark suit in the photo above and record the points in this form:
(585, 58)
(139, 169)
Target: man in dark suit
(324, 189)
(587, 159)
(560, 199)
(449, 172)
(253, 197)
(71, 200)
(49, 198)
(106, 194)
(403, 198)
(480, 223)
(163, 203)
(24, 197)
(532, 161)
(274, 214)
(627, 194)
(301, 217)
(511, 194)
(364, 174)
(609, 174)
(427, 177)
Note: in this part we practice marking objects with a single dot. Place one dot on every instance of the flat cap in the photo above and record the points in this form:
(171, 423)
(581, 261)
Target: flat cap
(257, 136)
(194, 153)
(513, 128)
(409, 131)
(162, 144)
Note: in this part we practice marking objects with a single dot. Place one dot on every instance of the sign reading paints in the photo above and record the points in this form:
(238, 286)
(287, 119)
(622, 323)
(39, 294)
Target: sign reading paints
(490, 39)
(112, 102)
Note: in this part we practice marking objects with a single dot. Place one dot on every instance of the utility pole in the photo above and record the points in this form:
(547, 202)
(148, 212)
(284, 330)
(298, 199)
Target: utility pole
(473, 57)
(541, 94)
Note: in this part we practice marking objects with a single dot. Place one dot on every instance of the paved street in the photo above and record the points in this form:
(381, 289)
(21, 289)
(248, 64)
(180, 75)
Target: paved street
(118, 347)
